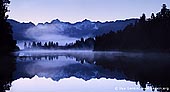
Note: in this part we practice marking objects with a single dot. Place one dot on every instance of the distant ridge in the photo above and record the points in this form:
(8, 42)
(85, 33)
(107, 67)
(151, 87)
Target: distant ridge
(85, 28)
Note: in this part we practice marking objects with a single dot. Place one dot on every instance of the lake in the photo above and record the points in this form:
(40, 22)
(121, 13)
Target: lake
(85, 71)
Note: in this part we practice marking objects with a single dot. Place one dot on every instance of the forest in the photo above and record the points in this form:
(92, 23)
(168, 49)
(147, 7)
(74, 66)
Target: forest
(147, 34)
(82, 44)
(8, 44)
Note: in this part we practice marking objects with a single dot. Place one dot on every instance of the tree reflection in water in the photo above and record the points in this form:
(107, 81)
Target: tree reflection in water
(7, 67)
(146, 69)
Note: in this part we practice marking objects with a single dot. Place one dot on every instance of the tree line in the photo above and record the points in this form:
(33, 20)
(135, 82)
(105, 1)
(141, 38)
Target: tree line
(40, 45)
(146, 34)
(87, 44)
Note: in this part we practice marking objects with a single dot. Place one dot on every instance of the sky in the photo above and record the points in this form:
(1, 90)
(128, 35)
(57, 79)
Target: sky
(40, 11)
(37, 84)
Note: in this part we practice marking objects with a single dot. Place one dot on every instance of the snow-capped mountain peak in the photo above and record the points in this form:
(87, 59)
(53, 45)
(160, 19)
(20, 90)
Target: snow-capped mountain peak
(85, 28)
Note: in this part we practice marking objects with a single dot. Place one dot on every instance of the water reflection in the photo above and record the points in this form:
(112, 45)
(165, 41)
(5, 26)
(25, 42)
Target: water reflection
(145, 69)
(73, 84)
(7, 67)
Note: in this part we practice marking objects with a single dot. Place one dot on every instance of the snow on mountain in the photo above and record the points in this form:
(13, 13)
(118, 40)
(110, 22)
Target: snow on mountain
(85, 24)
(19, 29)
(57, 29)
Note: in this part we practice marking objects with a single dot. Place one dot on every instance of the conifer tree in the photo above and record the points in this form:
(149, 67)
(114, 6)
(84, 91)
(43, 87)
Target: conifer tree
(7, 44)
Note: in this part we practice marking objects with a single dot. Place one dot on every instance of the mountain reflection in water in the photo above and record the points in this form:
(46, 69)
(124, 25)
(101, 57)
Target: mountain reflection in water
(144, 69)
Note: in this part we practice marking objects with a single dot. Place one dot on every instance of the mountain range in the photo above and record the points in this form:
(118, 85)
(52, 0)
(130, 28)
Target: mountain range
(58, 29)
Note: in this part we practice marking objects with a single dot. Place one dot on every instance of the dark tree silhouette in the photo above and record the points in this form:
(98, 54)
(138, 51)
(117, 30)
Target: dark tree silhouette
(25, 45)
(163, 10)
(146, 35)
(40, 45)
(87, 44)
(143, 17)
(6, 40)
(7, 67)
(152, 16)
(7, 45)
(34, 44)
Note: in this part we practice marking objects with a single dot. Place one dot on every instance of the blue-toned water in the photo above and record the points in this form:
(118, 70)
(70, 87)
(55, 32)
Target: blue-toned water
(88, 71)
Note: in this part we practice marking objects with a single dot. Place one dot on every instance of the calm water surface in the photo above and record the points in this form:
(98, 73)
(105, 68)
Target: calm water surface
(87, 71)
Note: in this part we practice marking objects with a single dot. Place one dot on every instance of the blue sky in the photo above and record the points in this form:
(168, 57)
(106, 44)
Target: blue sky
(77, 10)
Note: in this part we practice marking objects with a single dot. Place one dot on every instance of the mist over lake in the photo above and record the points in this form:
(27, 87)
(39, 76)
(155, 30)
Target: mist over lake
(84, 46)
(132, 70)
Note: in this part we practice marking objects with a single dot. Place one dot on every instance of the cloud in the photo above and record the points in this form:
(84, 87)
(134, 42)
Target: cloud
(49, 32)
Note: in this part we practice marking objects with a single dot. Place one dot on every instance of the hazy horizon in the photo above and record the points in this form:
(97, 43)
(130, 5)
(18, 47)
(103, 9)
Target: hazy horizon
(69, 21)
